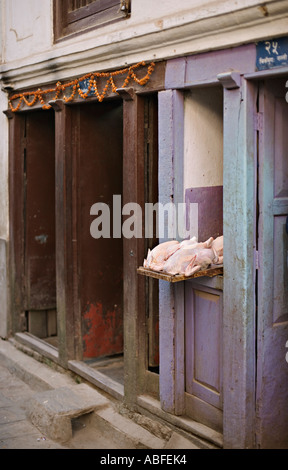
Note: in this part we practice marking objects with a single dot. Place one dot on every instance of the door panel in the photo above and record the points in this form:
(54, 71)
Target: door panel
(280, 274)
(272, 369)
(98, 132)
(39, 209)
(203, 353)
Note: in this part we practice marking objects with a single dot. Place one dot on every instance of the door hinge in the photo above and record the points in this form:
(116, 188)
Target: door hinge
(256, 259)
(258, 121)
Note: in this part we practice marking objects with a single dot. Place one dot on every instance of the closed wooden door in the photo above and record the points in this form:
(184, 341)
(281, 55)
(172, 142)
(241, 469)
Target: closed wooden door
(272, 308)
(39, 223)
(98, 149)
(203, 354)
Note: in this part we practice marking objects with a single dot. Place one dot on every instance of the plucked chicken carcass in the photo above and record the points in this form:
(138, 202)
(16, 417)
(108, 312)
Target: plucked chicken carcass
(207, 256)
(186, 257)
(160, 254)
(189, 256)
(217, 246)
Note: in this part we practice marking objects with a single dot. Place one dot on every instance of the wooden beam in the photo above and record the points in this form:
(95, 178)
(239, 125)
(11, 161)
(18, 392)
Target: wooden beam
(133, 249)
(65, 257)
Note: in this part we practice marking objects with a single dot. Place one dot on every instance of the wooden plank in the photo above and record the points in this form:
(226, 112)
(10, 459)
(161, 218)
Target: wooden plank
(68, 334)
(39, 345)
(133, 249)
(238, 322)
(210, 272)
(97, 378)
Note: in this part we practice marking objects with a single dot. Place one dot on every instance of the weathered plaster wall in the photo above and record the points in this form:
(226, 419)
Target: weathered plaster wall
(3, 168)
(28, 28)
(155, 31)
(3, 214)
(203, 138)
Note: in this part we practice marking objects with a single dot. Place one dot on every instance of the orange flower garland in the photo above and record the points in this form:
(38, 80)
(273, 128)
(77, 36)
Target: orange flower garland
(31, 97)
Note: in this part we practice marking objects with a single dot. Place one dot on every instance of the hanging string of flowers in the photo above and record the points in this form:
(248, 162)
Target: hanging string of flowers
(91, 87)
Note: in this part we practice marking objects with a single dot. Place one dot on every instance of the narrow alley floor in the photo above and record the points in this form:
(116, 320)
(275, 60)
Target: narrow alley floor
(41, 408)
(17, 431)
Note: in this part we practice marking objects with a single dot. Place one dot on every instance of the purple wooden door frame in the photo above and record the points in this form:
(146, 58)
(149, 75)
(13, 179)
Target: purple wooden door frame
(238, 322)
(235, 69)
(272, 376)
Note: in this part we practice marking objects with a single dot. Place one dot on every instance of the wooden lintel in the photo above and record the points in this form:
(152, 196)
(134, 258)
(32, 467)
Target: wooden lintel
(57, 105)
(9, 113)
(230, 80)
(126, 93)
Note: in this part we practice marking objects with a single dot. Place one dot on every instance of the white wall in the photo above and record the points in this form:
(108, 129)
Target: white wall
(203, 138)
(155, 31)
(3, 216)
(28, 28)
(3, 168)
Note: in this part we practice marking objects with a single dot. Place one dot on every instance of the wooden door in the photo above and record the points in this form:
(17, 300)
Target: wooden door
(151, 196)
(98, 145)
(39, 223)
(272, 368)
(203, 354)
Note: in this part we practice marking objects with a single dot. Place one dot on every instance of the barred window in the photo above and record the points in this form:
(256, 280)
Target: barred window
(75, 16)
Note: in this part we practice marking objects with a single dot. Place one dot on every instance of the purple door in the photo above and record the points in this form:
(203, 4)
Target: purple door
(272, 308)
(203, 354)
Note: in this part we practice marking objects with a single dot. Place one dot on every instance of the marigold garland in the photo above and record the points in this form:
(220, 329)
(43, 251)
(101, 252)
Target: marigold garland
(31, 97)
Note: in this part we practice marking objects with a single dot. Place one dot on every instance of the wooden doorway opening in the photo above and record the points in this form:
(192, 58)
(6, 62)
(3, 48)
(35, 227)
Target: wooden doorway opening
(97, 130)
(32, 211)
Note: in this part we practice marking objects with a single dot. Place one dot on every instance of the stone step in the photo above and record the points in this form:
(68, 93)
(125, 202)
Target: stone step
(59, 404)
(127, 433)
(52, 411)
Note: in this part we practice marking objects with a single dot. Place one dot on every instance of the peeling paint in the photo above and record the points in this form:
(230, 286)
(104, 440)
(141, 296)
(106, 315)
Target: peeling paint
(102, 331)
(42, 239)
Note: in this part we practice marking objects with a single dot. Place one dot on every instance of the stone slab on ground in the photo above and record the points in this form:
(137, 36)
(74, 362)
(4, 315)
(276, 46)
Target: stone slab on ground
(53, 411)
(64, 414)
(39, 376)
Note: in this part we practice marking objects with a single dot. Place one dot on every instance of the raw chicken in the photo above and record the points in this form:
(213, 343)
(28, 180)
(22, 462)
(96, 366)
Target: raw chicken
(217, 246)
(202, 260)
(206, 257)
(190, 241)
(189, 255)
(186, 257)
(160, 254)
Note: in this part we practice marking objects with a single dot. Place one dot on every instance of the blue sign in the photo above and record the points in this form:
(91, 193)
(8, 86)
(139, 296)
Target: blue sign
(272, 53)
(84, 85)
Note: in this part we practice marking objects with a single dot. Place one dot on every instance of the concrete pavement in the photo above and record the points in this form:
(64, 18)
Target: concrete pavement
(42, 408)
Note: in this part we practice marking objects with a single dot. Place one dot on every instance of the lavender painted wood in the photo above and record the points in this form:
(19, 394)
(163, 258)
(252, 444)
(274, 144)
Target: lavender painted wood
(272, 376)
(179, 348)
(203, 69)
(238, 295)
(280, 271)
(171, 327)
(210, 210)
(203, 333)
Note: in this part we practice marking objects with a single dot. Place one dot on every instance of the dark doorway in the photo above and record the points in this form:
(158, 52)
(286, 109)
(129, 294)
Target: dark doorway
(35, 238)
(98, 146)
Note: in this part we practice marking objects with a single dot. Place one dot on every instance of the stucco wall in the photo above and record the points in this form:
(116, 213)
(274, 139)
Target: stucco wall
(3, 215)
(155, 31)
(203, 138)
(28, 28)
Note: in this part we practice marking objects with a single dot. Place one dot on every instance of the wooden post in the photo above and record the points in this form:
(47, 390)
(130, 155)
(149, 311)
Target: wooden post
(133, 249)
(239, 308)
(171, 298)
(68, 335)
(17, 321)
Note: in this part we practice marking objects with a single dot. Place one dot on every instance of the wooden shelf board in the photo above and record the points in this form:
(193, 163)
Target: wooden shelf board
(210, 272)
